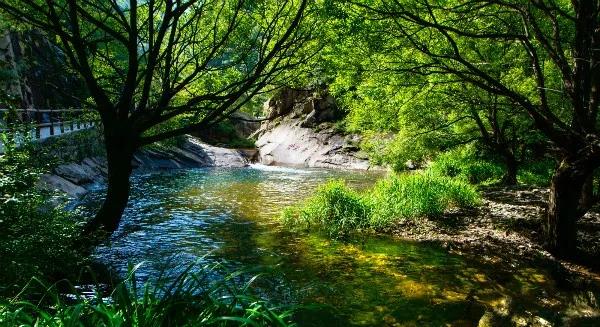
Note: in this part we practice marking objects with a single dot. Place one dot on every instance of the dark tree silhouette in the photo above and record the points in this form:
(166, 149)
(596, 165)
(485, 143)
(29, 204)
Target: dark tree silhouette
(148, 63)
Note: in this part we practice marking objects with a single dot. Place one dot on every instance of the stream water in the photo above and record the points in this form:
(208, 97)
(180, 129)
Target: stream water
(230, 215)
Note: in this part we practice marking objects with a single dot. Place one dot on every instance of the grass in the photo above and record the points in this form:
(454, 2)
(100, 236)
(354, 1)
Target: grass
(537, 173)
(410, 196)
(335, 208)
(191, 299)
(462, 163)
(338, 210)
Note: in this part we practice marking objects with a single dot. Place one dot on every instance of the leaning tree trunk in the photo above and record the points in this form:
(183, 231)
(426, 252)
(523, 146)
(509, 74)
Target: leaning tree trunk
(567, 204)
(119, 153)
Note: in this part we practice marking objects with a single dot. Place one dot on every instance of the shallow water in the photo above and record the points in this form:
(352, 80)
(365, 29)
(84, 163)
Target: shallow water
(230, 215)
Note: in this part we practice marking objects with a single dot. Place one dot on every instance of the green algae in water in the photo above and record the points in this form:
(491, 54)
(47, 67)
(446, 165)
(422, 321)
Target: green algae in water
(214, 215)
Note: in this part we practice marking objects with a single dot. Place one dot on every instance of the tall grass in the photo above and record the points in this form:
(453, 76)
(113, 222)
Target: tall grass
(339, 210)
(410, 196)
(334, 208)
(191, 299)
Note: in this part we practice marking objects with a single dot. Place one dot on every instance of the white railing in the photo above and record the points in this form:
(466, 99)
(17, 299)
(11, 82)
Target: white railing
(46, 123)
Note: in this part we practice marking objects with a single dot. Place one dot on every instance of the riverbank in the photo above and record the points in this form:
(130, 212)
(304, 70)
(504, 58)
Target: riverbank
(507, 228)
(77, 178)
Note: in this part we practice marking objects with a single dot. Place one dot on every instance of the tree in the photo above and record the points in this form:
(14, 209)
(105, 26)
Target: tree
(156, 69)
(554, 76)
(426, 113)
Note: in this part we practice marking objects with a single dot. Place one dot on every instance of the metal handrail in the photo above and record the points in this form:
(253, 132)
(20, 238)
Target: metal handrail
(43, 110)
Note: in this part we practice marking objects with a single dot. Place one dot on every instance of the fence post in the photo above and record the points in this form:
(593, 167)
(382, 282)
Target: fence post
(51, 122)
(38, 132)
(61, 123)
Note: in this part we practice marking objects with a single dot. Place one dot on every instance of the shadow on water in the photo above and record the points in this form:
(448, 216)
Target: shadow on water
(215, 215)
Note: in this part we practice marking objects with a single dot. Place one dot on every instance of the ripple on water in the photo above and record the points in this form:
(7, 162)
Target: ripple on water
(212, 215)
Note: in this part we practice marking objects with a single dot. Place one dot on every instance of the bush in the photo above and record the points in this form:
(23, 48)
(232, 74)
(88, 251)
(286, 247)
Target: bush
(410, 196)
(394, 150)
(37, 238)
(338, 210)
(190, 300)
(462, 163)
(335, 208)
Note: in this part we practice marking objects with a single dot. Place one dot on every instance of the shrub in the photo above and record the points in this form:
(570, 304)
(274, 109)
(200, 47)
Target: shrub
(538, 173)
(338, 210)
(37, 237)
(334, 207)
(394, 150)
(463, 163)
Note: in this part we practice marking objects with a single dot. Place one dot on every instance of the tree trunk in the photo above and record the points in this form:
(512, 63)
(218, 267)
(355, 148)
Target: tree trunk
(567, 204)
(512, 168)
(119, 154)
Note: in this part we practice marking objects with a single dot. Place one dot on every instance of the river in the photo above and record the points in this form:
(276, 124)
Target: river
(230, 215)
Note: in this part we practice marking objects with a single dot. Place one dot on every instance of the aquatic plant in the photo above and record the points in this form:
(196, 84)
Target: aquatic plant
(191, 299)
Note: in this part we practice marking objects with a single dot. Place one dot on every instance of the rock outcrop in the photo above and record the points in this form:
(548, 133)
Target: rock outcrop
(301, 132)
(75, 179)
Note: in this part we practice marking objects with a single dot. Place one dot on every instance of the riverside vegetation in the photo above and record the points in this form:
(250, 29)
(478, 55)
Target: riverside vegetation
(450, 182)
(42, 256)
(476, 95)
(340, 210)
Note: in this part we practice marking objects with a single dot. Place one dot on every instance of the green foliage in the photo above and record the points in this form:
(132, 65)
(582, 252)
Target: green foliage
(334, 207)
(537, 173)
(409, 196)
(37, 237)
(339, 210)
(463, 163)
(395, 150)
(190, 300)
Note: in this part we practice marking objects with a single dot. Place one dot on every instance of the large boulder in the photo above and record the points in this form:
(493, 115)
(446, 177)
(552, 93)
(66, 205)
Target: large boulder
(301, 132)
(289, 143)
(77, 173)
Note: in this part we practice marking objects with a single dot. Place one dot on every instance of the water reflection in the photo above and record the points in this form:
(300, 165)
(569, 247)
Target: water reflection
(213, 215)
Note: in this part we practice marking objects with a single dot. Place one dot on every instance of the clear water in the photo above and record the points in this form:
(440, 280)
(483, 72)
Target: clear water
(230, 215)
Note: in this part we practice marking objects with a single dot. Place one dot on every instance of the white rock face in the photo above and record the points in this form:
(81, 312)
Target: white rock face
(290, 144)
(300, 132)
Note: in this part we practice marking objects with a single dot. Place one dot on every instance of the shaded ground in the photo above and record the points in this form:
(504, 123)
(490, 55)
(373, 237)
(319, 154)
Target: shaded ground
(506, 233)
(508, 228)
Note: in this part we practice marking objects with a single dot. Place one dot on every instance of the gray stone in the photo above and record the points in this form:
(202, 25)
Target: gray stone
(57, 183)
(76, 173)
